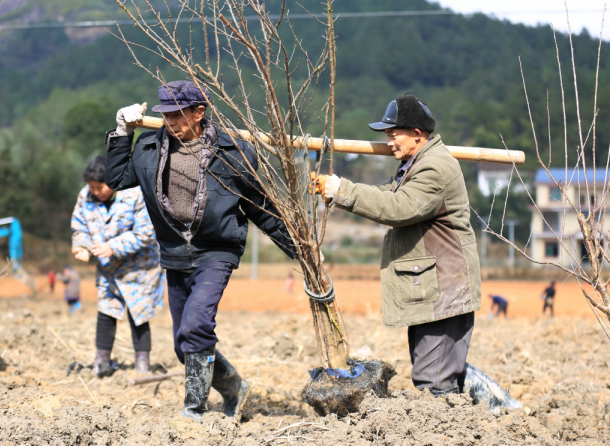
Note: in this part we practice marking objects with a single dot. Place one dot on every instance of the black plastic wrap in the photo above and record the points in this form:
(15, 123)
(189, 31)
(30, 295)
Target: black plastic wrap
(342, 396)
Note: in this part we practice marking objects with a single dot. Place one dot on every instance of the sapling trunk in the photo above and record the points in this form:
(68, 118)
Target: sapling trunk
(286, 111)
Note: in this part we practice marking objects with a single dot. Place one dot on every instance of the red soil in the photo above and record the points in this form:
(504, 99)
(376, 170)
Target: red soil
(355, 296)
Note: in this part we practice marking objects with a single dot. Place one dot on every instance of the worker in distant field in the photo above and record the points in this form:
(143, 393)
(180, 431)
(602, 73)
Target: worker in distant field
(549, 299)
(500, 303)
(430, 277)
(51, 277)
(71, 280)
(115, 228)
(200, 196)
(289, 284)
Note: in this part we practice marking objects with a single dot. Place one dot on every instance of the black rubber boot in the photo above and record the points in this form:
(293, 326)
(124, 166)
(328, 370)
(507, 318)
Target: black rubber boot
(101, 366)
(198, 370)
(482, 389)
(442, 393)
(232, 388)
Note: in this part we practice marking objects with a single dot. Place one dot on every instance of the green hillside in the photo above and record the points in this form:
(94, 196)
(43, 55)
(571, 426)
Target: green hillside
(61, 90)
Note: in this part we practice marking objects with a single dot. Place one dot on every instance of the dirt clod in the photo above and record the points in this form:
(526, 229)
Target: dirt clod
(563, 379)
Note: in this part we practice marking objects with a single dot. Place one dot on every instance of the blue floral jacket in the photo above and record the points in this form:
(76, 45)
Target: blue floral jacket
(132, 276)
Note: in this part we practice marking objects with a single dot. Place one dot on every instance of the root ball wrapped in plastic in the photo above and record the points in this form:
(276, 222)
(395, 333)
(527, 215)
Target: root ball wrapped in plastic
(341, 391)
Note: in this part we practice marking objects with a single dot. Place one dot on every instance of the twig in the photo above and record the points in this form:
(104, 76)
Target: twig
(89, 392)
(288, 437)
(285, 109)
(135, 403)
(61, 341)
(83, 402)
(302, 423)
(42, 411)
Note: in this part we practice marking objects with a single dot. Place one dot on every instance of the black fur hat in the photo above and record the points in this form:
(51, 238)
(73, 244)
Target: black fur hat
(406, 112)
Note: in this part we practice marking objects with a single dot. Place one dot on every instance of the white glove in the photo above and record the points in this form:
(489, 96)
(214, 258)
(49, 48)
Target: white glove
(129, 114)
(332, 186)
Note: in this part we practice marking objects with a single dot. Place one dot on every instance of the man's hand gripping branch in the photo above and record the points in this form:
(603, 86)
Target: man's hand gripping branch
(326, 186)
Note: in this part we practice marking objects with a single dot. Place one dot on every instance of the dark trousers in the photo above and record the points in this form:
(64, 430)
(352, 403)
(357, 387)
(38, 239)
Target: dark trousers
(106, 332)
(548, 305)
(438, 351)
(502, 308)
(193, 303)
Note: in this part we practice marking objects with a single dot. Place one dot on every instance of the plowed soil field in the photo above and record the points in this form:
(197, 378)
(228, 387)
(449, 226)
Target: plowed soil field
(558, 367)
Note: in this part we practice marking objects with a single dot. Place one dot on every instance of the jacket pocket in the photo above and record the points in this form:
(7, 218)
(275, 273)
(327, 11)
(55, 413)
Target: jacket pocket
(416, 280)
(234, 228)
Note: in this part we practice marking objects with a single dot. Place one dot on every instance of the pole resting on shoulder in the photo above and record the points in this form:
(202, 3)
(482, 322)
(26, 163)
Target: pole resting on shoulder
(329, 296)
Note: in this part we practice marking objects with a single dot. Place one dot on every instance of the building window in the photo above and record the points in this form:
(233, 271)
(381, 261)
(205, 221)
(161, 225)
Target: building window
(556, 195)
(552, 221)
(585, 200)
(551, 249)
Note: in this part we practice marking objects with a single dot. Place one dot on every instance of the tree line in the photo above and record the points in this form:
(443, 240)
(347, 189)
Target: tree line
(59, 97)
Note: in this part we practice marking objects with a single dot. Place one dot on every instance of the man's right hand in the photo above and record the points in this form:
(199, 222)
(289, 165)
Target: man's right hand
(326, 186)
(320, 181)
(81, 254)
(127, 115)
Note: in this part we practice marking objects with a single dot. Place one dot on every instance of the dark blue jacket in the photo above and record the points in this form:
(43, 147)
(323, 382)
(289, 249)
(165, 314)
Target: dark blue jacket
(221, 233)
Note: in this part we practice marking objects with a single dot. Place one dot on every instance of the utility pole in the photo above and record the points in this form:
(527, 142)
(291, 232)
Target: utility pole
(484, 223)
(511, 238)
(254, 273)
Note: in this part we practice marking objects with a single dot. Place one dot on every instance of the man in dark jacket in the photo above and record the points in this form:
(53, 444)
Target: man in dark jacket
(199, 194)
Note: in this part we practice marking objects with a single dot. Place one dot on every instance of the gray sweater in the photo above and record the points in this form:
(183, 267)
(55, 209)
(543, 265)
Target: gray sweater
(181, 176)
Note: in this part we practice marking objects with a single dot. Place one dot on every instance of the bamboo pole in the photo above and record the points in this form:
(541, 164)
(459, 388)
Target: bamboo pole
(480, 154)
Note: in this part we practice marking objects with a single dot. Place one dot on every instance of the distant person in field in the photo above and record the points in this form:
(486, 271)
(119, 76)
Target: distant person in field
(549, 299)
(51, 276)
(500, 303)
(115, 228)
(289, 285)
(200, 197)
(71, 280)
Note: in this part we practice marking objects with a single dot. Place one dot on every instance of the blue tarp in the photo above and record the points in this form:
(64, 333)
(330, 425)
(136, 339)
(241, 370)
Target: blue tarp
(355, 371)
(15, 243)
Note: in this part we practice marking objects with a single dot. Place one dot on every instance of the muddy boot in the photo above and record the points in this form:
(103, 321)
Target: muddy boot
(142, 364)
(482, 389)
(101, 366)
(198, 369)
(232, 388)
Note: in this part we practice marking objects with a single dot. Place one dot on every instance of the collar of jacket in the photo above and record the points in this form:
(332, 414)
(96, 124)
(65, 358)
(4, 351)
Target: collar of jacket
(433, 142)
(117, 196)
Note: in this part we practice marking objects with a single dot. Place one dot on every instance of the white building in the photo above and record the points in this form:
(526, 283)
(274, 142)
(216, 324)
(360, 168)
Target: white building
(495, 177)
(561, 219)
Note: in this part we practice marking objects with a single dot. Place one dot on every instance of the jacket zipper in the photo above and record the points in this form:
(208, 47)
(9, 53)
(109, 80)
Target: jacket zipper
(188, 247)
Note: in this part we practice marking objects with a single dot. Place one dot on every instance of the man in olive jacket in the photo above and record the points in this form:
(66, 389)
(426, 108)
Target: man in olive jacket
(430, 276)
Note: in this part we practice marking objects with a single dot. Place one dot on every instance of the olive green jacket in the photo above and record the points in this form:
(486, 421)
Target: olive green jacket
(429, 265)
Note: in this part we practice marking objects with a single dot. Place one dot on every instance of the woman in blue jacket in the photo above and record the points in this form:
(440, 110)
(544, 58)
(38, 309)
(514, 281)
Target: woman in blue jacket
(115, 228)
